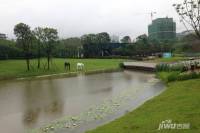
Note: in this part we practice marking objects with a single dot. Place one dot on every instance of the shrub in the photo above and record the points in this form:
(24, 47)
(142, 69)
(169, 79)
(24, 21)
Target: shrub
(162, 67)
(121, 65)
(173, 76)
(170, 67)
(177, 67)
(192, 75)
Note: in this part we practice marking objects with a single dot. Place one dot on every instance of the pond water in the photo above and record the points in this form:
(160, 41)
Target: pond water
(29, 104)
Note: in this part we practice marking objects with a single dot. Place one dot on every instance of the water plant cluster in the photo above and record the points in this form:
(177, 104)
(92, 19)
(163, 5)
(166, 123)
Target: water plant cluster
(97, 112)
(179, 71)
(179, 66)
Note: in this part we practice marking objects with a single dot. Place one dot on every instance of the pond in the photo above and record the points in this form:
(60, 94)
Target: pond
(28, 104)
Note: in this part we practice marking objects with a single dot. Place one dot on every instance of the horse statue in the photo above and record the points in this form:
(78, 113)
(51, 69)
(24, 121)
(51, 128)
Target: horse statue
(67, 66)
(80, 66)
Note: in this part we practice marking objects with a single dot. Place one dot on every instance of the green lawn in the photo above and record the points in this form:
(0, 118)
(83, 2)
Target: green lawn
(173, 59)
(179, 103)
(17, 68)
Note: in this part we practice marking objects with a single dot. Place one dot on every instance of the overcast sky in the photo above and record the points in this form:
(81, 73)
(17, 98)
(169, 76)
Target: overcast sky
(78, 17)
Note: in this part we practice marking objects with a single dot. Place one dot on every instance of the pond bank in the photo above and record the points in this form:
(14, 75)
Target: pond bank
(12, 69)
(179, 103)
(70, 74)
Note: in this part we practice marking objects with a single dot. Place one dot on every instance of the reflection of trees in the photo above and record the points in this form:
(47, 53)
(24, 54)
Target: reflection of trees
(138, 76)
(55, 105)
(41, 99)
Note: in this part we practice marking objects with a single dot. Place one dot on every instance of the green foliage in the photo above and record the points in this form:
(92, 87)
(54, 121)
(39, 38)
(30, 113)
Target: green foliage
(49, 40)
(173, 76)
(192, 75)
(162, 67)
(177, 76)
(168, 76)
(126, 39)
(24, 37)
(145, 47)
(8, 50)
(171, 60)
(170, 67)
(70, 47)
(121, 65)
(95, 45)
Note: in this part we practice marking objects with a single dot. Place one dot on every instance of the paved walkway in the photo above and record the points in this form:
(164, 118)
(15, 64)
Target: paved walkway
(140, 65)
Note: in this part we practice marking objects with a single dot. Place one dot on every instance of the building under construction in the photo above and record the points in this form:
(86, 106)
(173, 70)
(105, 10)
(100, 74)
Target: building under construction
(162, 29)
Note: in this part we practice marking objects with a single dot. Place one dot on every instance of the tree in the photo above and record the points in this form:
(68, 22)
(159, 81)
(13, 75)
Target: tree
(126, 39)
(72, 46)
(95, 45)
(143, 46)
(39, 35)
(90, 48)
(189, 12)
(49, 39)
(8, 49)
(103, 39)
(24, 37)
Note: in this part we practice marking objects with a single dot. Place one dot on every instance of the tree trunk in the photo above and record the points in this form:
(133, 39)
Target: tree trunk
(48, 61)
(28, 63)
(39, 56)
(38, 62)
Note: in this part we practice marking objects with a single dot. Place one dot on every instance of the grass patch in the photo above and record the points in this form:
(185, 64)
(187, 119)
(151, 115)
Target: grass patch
(177, 76)
(180, 103)
(17, 68)
(168, 76)
(168, 60)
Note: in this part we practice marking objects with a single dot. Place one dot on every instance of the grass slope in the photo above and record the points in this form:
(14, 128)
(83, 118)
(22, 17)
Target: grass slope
(17, 68)
(179, 103)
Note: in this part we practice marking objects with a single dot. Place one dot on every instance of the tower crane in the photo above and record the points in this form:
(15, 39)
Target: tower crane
(152, 15)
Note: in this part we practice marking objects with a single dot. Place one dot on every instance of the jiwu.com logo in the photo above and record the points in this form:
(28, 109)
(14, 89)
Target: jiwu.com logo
(169, 125)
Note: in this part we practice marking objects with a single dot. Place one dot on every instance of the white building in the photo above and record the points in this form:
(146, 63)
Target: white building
(2, 36)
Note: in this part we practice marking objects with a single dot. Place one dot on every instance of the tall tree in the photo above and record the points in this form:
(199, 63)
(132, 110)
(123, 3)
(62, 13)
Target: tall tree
(126, 39)
(39, 35)
(24, 37)
(50, 38)
(189, 12)
(89, 45)
(103, 39)
(72, 46)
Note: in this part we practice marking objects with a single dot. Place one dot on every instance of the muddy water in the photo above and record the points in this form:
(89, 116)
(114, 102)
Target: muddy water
(32, 103)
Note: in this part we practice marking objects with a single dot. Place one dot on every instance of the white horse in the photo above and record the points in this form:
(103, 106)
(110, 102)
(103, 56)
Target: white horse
(80, 66)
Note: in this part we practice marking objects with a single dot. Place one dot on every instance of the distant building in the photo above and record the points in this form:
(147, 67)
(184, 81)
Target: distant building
(114, 39)
(2, 36)
(162, 29)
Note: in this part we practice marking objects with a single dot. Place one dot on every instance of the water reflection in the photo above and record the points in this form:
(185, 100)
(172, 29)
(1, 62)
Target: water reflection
(32, 103)
(45, 102)
(101, 90)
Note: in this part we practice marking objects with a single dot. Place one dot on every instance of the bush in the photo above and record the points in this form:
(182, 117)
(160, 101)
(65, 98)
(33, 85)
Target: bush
(192, 75)
(170, 67)
(162, 67)
(177, 67)
(121, 65)
(177, 76)
(173, 76)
